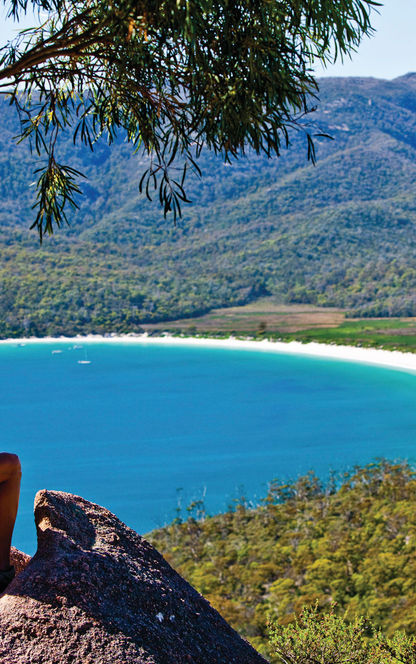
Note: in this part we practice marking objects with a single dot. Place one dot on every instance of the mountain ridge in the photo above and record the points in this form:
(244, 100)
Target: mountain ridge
(283, 227)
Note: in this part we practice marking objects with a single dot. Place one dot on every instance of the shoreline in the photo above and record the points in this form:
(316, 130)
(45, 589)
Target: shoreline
(398, 360)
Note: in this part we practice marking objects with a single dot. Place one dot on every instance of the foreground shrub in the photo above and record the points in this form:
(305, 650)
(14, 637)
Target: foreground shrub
(325, 638)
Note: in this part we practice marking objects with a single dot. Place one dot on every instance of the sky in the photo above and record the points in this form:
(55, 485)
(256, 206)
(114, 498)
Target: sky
(389, 53)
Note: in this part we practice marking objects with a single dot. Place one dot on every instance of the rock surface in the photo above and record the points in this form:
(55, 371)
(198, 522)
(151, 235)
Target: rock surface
(98, 593)
(19, 559)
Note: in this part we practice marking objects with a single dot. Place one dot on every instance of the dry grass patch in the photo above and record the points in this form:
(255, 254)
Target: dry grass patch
(264, 315)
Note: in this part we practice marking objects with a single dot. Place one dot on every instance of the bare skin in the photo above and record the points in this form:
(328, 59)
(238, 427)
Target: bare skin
(10, 476)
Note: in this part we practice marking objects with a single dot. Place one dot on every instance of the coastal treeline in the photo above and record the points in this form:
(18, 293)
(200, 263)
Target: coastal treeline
(348, 543)
(341, 234)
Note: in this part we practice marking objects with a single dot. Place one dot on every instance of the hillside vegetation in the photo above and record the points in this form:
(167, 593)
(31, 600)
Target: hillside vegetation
(340, 234)
(351, 541)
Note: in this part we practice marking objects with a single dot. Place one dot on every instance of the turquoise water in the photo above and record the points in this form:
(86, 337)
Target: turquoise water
(140, 427)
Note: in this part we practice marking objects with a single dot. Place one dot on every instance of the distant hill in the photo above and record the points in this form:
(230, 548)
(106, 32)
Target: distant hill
(342, 233)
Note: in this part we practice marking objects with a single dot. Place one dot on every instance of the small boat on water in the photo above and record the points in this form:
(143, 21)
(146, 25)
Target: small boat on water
(85, 360)
(54, 352)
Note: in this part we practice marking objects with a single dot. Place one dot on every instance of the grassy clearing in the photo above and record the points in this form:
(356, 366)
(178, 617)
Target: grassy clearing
(263, 314)
(270, 319)
(391, 334)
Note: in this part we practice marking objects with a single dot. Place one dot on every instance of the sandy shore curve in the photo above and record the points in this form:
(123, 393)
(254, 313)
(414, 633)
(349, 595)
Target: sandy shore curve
(372, 356)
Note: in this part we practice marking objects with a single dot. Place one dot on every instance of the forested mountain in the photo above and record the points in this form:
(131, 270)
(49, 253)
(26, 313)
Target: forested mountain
(341, 233)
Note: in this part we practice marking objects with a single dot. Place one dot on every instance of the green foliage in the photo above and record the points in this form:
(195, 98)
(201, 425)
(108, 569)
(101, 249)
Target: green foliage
(351, 541)
(399, 649)
(393, 334)
(56, 187)
(173, 77)
(325, 638)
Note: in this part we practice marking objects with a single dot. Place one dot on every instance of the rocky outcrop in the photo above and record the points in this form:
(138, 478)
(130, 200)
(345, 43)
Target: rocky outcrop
(98, 593)
(19, 559)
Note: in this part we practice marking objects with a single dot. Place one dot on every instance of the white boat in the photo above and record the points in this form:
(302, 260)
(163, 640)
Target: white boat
(85, 360)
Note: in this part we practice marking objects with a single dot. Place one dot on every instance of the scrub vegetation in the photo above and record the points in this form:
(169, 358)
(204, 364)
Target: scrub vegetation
(347, 545)
(329, 639)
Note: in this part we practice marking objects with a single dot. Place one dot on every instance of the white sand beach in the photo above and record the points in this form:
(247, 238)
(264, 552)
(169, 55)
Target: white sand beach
(373, 356)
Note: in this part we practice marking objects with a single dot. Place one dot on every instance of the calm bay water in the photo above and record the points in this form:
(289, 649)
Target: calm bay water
(141, 426)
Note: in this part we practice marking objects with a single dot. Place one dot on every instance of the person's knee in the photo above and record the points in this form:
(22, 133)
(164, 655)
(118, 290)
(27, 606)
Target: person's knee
(15, 465)
(10, 464)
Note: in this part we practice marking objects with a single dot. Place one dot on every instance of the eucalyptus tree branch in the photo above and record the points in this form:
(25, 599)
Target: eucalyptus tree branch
(174, 76)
